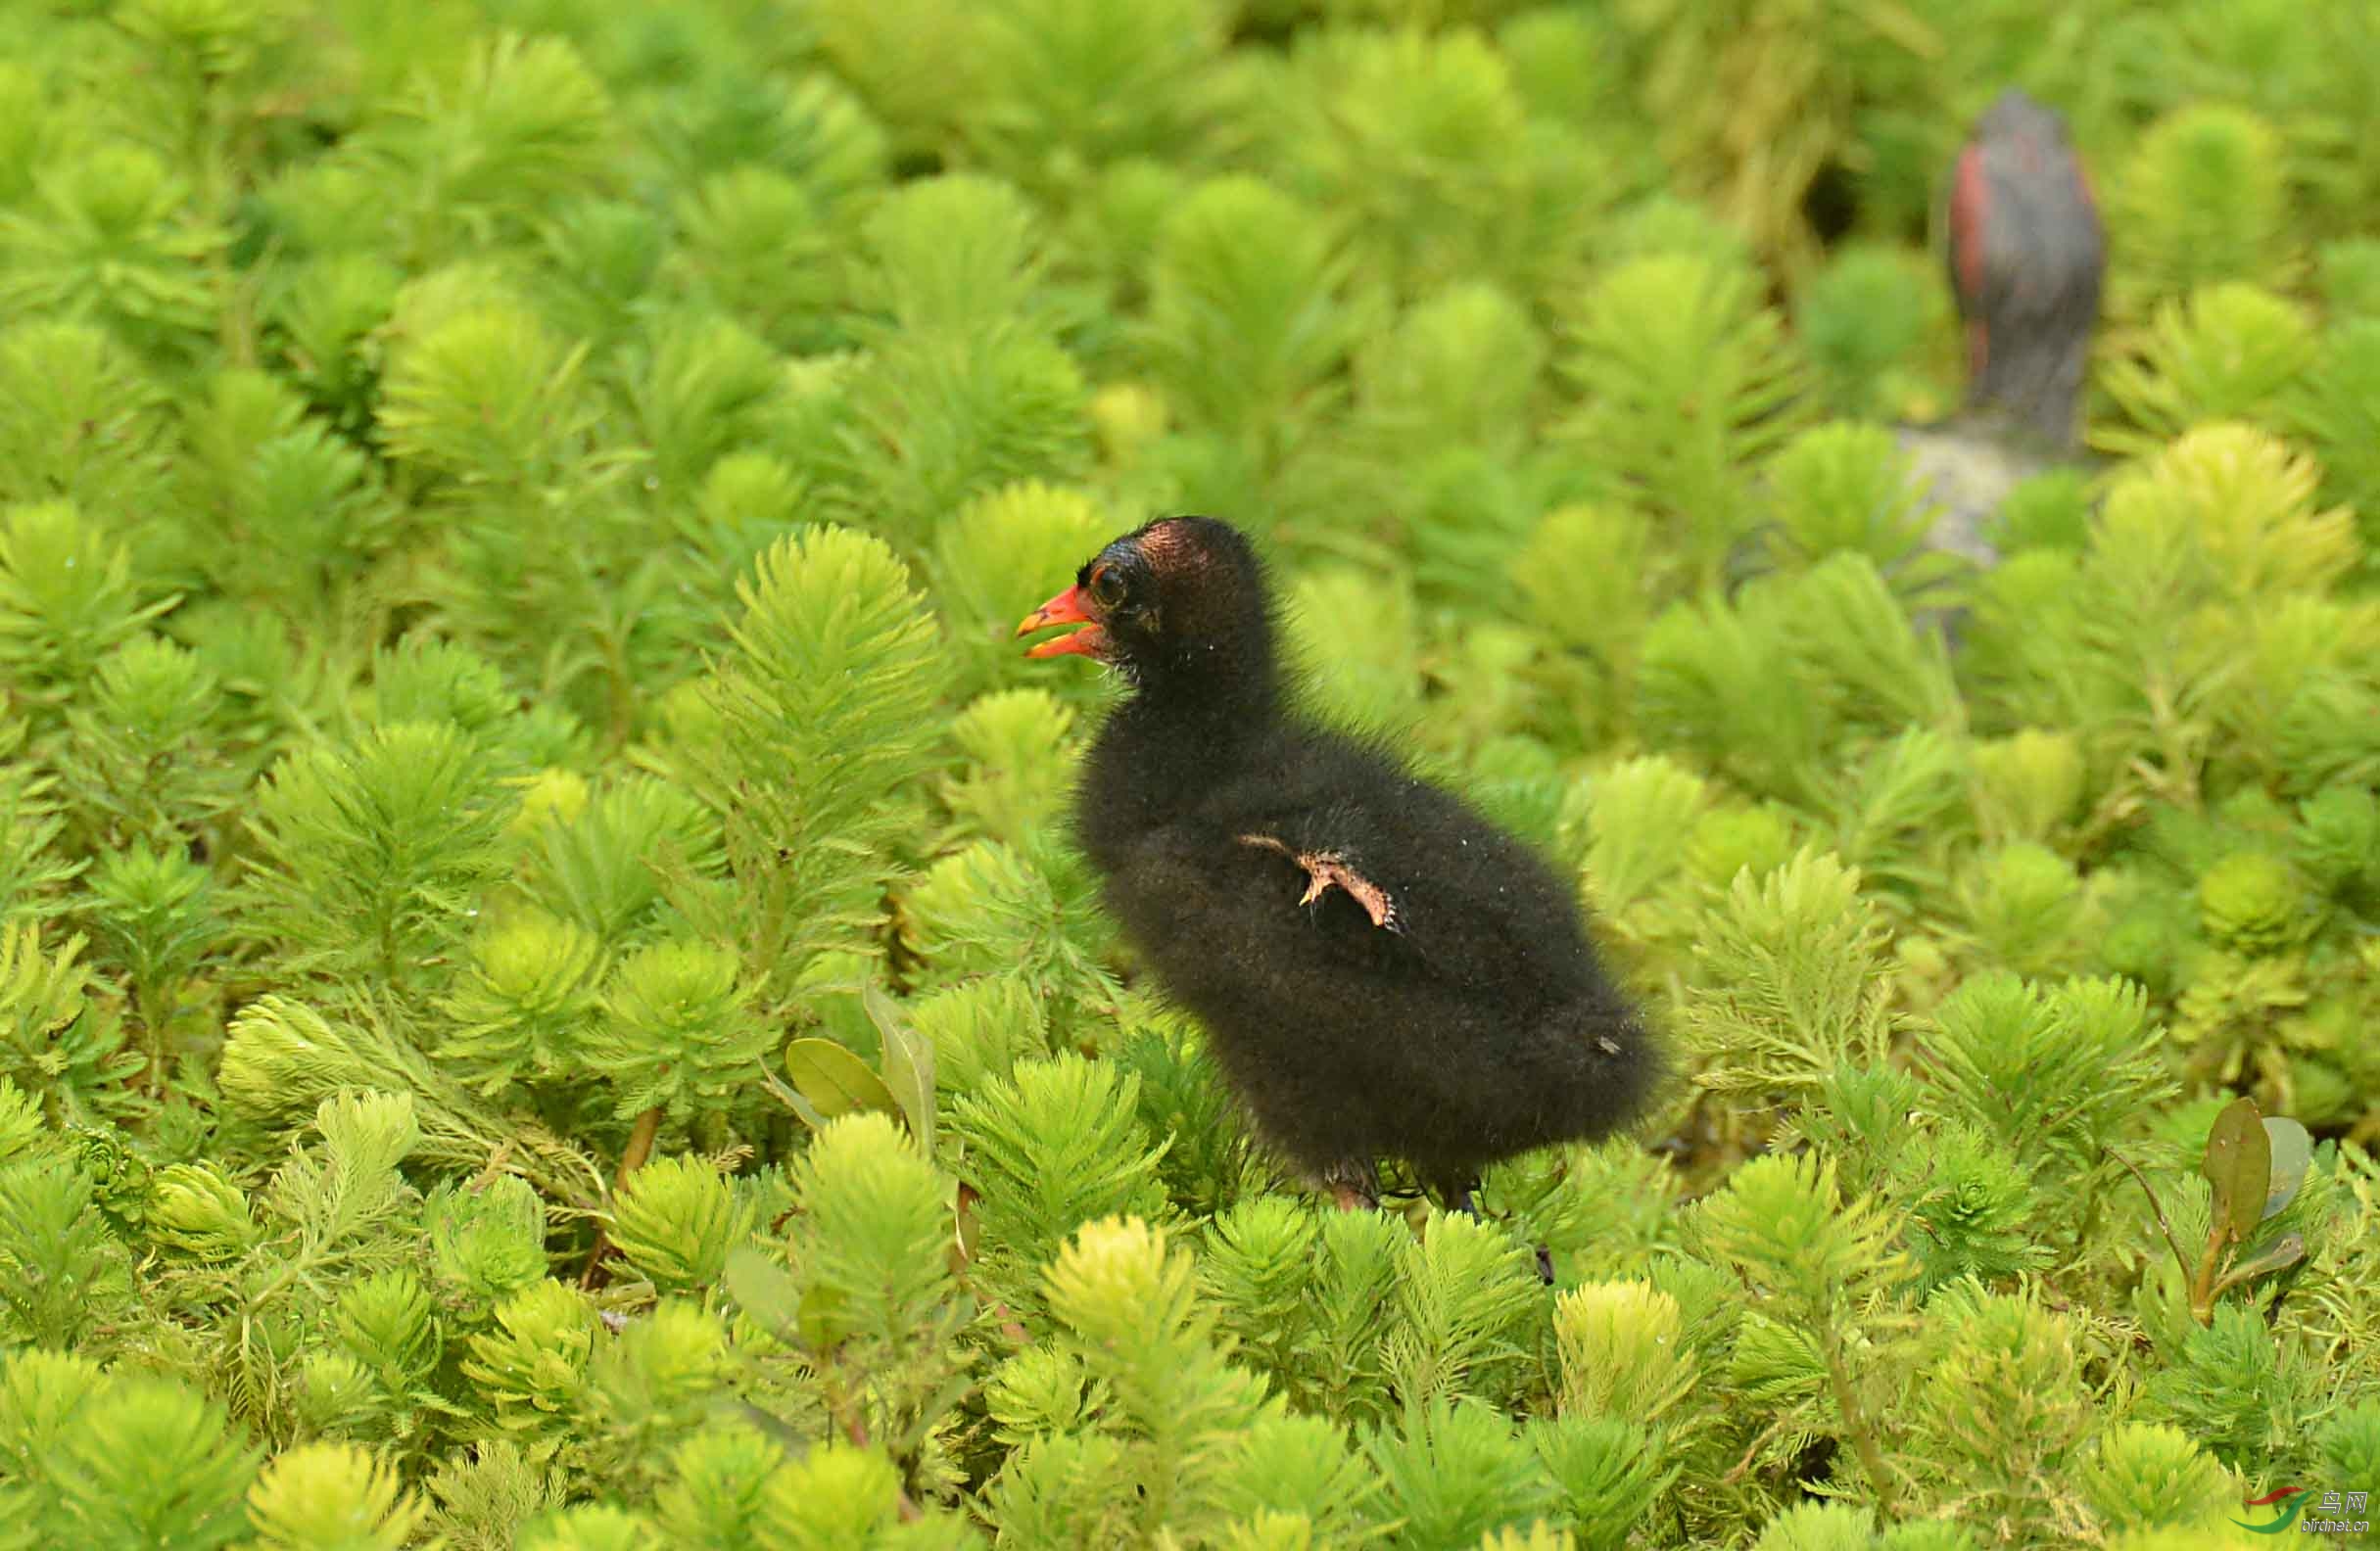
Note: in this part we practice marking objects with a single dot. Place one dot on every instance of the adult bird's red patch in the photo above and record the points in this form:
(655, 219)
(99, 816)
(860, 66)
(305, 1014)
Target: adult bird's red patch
(1970, 207)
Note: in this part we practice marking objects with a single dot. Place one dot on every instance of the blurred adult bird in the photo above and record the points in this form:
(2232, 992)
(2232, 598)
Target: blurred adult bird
(2027, 260)
(1378, 968)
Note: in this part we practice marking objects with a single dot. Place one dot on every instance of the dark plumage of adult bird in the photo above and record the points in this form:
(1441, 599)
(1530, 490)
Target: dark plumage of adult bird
(2027, 260)
(1379, 969)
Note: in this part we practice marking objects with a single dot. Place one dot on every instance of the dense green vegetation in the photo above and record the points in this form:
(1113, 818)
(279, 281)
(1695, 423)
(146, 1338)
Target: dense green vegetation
(510, 518)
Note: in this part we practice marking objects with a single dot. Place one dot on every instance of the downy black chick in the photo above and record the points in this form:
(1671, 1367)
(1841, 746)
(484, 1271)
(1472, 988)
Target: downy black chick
(1378, 968)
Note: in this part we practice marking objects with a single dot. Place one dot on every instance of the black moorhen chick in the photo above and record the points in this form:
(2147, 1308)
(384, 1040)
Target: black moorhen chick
(2027, 258)
(1378, 968)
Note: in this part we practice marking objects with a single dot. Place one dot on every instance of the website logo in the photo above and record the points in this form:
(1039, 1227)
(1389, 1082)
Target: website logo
(2334, 1513)
(2286, 1516)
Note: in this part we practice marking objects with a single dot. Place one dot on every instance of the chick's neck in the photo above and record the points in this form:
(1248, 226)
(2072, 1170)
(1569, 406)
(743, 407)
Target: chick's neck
(1195, 709)
(1212, 686)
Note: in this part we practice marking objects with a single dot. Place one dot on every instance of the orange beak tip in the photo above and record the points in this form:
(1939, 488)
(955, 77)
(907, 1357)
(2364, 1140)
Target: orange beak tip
(1066, 609)
(1089, 641)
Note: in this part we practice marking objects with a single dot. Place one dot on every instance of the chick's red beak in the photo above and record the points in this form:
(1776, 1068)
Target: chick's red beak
(1066, 609)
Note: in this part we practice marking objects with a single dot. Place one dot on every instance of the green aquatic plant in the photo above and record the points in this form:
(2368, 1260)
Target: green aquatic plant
(549, 992)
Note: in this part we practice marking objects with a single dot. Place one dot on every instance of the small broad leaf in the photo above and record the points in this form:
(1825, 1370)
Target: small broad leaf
(965, 1233)
(763, 1288)
(820, 1321)
(836, 1081)
(2239, 1165)
(2279, 1255)
(804, 1109)
(2291, 1154)
(908, 1064)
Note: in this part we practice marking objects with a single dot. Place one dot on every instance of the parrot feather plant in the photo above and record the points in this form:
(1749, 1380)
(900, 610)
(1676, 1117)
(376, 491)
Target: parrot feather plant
(550, 997)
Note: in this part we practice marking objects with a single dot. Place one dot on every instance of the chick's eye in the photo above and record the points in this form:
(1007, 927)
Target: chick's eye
(1106, 591)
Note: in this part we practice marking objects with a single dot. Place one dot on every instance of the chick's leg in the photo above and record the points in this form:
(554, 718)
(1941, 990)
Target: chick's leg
(1353, 1183)
(1327, 870)
(1456, 1191)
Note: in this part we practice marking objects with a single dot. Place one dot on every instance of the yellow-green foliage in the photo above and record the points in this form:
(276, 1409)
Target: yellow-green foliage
(547, 995)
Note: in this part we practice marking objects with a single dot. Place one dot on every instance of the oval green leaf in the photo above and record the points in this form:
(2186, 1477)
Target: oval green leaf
(963, 1235)
(792, 1100)
(2279, 1255)
(2239, 1165)
(908, 1064)
(762, 1288)
(2292, 1152)
(821, 1321)
(834, 1081)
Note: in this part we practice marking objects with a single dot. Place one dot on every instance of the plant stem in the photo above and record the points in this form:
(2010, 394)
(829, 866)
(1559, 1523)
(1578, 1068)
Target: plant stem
(145, 1002)
(639, 1147)
(1855, 1423)
(843, 1408)
(2202, 1284)
(2181, 1259)
(631, 1158)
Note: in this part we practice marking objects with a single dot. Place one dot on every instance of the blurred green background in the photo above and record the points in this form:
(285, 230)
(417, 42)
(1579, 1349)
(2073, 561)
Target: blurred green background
(511, 519)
